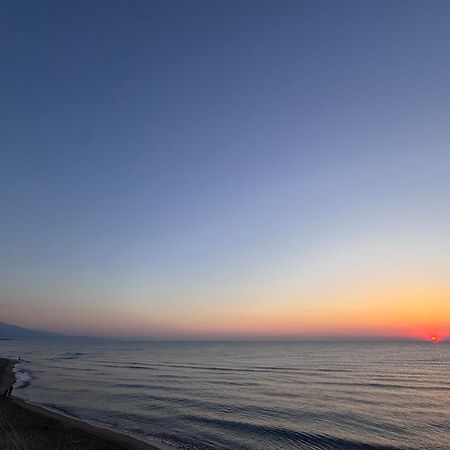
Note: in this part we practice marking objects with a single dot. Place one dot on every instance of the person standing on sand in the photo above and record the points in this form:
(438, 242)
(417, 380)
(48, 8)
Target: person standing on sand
(8, 391)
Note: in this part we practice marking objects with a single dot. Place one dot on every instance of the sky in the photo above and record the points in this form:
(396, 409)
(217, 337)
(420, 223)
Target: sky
(225, 169)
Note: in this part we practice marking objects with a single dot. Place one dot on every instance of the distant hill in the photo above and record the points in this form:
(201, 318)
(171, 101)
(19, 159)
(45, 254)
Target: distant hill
(8, 331)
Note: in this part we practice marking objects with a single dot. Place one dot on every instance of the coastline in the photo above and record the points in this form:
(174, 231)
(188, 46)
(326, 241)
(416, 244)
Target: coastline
(7, 376)
(25, 426)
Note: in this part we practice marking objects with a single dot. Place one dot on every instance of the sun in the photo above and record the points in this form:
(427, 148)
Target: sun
(433, 338)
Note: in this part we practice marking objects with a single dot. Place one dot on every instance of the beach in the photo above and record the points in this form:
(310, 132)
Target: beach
(28, 427)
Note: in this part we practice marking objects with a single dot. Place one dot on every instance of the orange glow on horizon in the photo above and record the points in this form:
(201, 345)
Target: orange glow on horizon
(405, 311)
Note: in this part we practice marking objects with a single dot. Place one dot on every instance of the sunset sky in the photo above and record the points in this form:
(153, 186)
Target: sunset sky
(209, 169)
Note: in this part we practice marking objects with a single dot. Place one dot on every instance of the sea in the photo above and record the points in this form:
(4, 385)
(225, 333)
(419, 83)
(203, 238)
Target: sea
(246, 395)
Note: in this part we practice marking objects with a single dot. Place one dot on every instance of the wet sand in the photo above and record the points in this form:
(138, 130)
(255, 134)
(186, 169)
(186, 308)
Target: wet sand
(28, 427)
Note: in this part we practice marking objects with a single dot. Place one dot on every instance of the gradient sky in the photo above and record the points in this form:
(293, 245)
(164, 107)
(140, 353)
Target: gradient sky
(225, 168)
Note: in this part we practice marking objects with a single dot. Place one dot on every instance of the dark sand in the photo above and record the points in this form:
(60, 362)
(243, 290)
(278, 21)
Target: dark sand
(28, 427)
(7, 378)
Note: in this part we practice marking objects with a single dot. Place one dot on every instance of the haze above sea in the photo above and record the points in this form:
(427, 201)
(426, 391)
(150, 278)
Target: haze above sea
(247, 395)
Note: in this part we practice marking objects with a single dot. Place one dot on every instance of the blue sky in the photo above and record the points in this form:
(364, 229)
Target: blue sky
(169, 158)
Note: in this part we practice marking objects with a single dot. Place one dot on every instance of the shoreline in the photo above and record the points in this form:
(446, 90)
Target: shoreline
(25, 426)
(7, 375)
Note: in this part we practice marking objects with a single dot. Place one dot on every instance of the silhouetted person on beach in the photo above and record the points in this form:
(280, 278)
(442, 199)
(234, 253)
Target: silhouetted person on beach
(8, 391)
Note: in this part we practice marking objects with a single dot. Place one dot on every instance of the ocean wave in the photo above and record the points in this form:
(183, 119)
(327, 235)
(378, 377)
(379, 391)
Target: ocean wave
(291, 437)
(23, 377)
(176, 442)
(129, 366)
(69, 355)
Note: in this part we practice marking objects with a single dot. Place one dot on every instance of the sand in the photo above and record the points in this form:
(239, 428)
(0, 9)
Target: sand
(7, 378)
(28, 427)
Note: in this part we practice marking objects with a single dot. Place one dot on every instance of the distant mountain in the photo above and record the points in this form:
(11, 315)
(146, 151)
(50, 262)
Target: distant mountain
(8, 331)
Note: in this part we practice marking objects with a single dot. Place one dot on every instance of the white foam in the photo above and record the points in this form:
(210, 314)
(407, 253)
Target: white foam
(23, 376)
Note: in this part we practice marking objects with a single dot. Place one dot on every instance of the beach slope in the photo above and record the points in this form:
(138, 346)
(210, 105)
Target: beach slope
(28, 427)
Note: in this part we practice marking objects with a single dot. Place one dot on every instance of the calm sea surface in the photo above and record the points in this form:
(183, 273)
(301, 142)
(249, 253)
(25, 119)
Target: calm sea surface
(248, 395)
